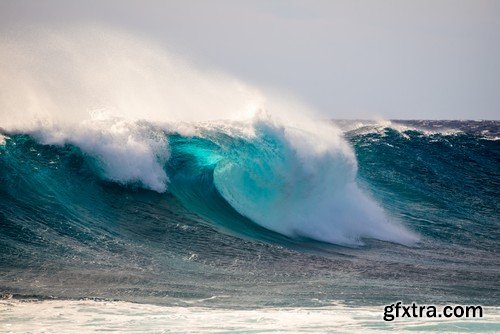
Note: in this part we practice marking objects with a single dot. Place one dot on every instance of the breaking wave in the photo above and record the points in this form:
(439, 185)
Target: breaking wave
(142, 117)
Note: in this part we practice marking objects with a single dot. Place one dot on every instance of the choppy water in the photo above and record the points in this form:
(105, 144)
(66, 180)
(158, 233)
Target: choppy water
(230, 230)
(129, 174)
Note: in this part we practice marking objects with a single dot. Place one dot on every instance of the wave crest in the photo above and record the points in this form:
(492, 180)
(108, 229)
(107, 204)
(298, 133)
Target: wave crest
(302, 184)
(118, 99)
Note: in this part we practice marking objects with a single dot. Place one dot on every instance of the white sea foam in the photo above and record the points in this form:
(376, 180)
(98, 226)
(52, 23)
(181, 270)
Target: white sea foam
(109, 94)
(125, 152)
(102, 316)
(69, 86)
(306, 188)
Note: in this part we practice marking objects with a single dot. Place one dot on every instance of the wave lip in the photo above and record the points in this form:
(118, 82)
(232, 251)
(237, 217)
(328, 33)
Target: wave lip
(302, 184)
(120, 151)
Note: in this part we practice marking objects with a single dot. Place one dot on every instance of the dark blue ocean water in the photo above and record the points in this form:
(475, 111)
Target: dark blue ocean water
(221, 234)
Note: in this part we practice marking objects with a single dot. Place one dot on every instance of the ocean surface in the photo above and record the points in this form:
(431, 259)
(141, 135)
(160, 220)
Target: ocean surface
(229, 218)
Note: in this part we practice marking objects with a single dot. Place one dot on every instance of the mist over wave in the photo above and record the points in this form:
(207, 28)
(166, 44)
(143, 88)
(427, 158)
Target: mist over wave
(119, 98)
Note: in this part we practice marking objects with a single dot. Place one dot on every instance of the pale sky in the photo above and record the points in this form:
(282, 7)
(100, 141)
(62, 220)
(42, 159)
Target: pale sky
(437, 59)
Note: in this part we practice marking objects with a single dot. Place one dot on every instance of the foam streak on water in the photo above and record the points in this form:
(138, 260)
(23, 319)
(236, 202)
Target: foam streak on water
(122, 317)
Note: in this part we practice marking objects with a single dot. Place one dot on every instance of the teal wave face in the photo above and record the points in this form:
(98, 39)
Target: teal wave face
(64, 222)
(280, 181)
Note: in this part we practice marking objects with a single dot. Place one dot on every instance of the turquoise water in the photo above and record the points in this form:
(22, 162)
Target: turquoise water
(252, 221)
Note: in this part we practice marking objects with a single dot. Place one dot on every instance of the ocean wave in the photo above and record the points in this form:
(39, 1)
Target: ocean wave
(128, 172)
(119, 103)
(288, 180)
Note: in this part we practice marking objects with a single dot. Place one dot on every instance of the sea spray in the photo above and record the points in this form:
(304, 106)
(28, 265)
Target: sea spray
(118, 98)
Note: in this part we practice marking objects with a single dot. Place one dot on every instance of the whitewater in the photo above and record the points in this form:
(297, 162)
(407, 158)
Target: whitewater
(138, 181)
(119, 100)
